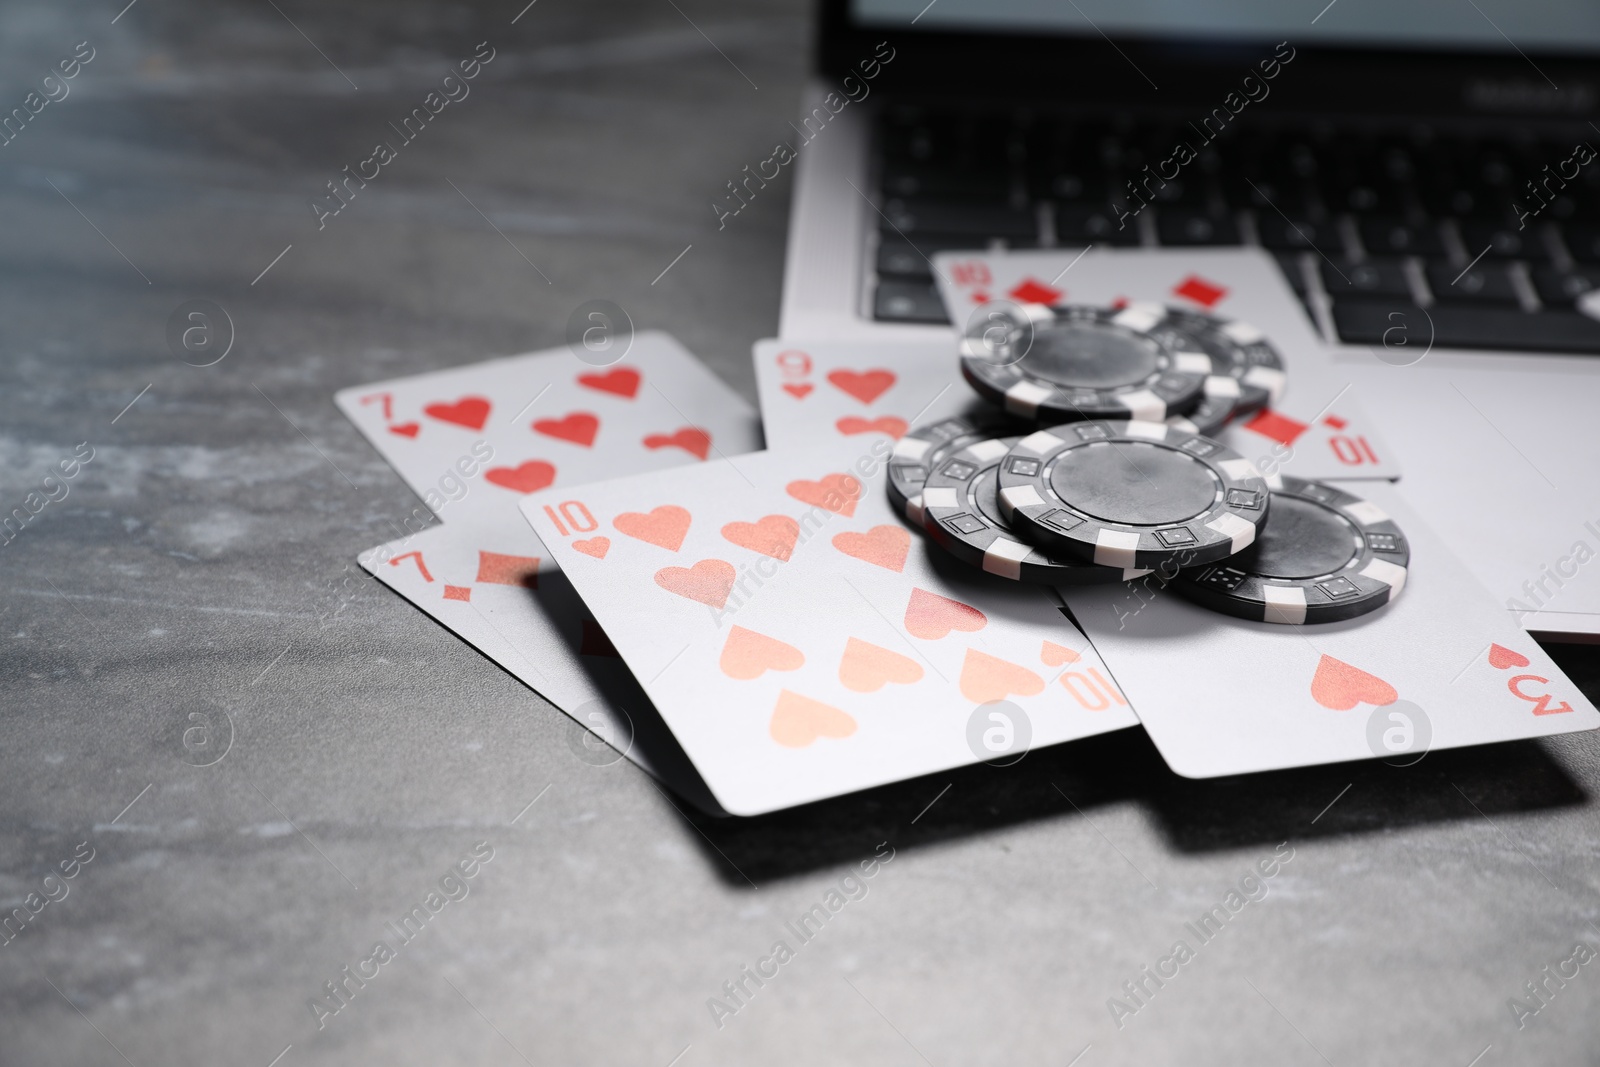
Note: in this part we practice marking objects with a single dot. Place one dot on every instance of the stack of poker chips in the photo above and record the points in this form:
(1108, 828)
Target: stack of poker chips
(1094, 462)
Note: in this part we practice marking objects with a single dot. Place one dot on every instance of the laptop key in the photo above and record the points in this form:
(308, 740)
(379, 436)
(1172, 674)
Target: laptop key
(1501, 242)
(1560, 287)
(912, 217)
(1368, 322)
(1077, 225)
(1295, 235)
(897, 301)
(1395, 237)
(902, 258)
(1078, 186)
(1181, 226)
(1486, 283)
(1370, 277)
(992, 187)
(1583, 242)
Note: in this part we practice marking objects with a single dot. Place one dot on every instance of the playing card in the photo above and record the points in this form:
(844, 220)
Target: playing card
(1471, 433)
(1441, 666)
(474, 440)
(802, 642)
(1317, 428)
(815, 390)
(471, 441)
(495, 586)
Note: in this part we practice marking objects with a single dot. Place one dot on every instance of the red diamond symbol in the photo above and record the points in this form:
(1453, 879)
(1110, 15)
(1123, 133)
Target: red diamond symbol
(457, 592)
(1280, 428)
(1335, 422)
(1200, 291)
(1033, 292)
(980, 298)
(1120, 302)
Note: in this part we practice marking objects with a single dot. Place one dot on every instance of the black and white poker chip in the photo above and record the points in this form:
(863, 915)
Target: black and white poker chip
(961, 511)
(924, 447)
(1217, 407)
(1078, 362)
(1239, 351)
(1325, 556)
(1132, 494)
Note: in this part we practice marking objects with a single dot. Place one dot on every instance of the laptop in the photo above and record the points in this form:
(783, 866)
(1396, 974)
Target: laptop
(1434, 159)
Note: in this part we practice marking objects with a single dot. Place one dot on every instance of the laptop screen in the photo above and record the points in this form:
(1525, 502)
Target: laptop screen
(1548, 26)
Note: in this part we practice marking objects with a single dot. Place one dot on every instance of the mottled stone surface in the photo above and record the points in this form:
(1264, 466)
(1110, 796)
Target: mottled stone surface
(193, 574)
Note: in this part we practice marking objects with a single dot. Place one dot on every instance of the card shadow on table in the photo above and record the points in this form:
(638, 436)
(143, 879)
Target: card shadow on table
(651, 738)
(1070, 781)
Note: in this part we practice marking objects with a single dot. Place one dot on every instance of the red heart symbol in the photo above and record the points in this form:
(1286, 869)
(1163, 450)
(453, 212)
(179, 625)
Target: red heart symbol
(470, 411)
(624, 381)
(1502, 658)
(578, 427)
(772, 535)
(664, 526)
(836, 492)
(691, 439)
(985, 678)
(854, 424)
(708, 581)
(798, 390)
(1339, 686)
(527, 477)
(594, 546)
(931, 616)
(882, 546)
(865, 386)
(1055, 655)
(747, 655)
(406, 429)
(797, 721)
(866, 668)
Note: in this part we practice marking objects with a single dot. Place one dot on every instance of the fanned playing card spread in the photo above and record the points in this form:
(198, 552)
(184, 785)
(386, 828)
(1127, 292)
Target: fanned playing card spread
(801, 641)
(475, 440)
(1441, 666)
(1315, 426)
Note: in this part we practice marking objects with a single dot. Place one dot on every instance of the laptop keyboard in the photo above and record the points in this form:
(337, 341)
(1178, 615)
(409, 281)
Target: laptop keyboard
(1363, 224)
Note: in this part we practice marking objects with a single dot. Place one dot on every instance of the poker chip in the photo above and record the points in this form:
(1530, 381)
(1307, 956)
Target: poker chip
(1077, 362)
(961, 510)
(1217, 407)
(924, 447)
(1132, 494)
(1239, 351)
(1326, 555)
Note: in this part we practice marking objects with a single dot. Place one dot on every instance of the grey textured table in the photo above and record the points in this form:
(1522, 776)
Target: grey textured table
(193, 578)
